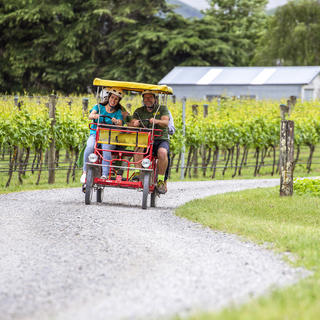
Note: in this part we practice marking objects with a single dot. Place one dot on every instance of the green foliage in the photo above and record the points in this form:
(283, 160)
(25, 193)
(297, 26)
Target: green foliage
(240, 24)
(251, 124)
(47, 44)
(307, 187)
(30, 126)
(292, 36)
(63, 45)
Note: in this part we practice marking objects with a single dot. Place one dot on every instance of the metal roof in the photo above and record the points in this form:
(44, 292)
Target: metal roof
(240, 75)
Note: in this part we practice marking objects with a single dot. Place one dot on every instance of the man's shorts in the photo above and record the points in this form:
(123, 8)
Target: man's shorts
(160, 144)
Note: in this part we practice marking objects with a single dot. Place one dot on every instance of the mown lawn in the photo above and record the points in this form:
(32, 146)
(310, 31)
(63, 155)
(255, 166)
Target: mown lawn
(291, 225)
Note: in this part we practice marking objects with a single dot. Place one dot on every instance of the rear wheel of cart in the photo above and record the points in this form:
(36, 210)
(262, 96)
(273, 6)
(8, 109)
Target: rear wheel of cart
(146, 184)
(100, 192)
(153, 198)
(89, 186)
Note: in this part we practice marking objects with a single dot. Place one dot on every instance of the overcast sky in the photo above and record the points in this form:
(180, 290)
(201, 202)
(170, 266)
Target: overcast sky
(203, 4)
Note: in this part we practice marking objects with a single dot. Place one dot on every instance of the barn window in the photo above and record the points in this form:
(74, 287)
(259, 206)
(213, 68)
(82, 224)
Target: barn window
(308, 94)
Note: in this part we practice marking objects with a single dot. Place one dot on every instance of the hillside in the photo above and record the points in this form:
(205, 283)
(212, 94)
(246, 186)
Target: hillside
(190, 8)
(185, 10)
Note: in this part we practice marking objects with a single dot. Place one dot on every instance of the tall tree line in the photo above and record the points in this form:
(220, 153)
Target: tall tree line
(62, 45)
(292, 36)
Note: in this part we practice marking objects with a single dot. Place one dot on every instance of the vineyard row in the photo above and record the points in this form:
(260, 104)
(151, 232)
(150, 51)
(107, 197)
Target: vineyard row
(228, 131)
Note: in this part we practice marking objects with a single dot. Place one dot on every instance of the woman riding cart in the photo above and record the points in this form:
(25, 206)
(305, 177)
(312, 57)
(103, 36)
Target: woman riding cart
(130, 157)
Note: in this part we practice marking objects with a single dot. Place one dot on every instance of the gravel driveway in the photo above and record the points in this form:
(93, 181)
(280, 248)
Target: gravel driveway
(61, 259)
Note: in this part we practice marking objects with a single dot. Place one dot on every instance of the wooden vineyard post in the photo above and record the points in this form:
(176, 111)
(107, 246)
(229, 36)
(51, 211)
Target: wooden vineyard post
(85, 102)
(284, 110)
(52, 151)
(286, 157)
(195, 110)
(17, 103)
(291, 103)
(16, 100)
(128, 107)
(205, 110)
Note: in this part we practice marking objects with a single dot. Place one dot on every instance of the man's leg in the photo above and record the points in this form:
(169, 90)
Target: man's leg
(162, 161)
(166, 176)
(162, 154)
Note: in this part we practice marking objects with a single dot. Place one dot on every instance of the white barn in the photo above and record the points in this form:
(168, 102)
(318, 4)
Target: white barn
(245, 82)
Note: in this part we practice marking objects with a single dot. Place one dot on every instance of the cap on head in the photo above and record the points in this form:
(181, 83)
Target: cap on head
(149, 92)
(116, 91)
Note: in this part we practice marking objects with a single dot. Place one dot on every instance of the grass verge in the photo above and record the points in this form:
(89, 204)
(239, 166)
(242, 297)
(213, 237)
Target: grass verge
(29, 181)
(291, 224)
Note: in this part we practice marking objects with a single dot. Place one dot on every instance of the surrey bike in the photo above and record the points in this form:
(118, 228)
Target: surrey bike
(128, 141)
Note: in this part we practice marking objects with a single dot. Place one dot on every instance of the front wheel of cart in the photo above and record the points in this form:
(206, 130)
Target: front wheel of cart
(100, 192)
(89, 186)
(146, 184)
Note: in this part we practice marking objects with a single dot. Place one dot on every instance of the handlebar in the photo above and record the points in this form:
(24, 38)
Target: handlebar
(144, 122)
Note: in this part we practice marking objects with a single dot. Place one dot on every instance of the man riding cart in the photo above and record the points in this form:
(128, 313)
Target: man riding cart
(141, 149)
(149, 115)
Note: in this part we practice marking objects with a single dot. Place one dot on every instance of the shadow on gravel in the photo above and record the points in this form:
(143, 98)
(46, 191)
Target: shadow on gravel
(127, 206)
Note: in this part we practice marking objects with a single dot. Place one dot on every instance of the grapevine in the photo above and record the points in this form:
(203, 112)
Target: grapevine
(231, 129)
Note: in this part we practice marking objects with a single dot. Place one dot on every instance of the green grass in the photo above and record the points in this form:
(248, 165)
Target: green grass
(290, 224)
(29, 181)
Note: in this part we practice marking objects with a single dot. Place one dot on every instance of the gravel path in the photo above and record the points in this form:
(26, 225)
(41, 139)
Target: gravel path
(61, 259)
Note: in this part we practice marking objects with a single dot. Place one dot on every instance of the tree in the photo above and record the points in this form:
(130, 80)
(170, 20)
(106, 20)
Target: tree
(63, 44)
(292, 36)
(135, 33)
(149, 48)
(47, 44)
(240, 24)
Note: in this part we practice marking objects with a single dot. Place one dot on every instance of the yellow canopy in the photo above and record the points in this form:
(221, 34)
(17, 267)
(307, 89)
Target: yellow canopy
(132, 86)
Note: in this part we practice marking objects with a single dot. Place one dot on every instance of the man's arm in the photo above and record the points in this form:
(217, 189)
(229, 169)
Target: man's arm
(134, 123)
(164, 117)
(163, 122)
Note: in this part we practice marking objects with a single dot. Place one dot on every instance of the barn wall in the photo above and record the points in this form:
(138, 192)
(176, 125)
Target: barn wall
(261, 92)
(315, 86)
